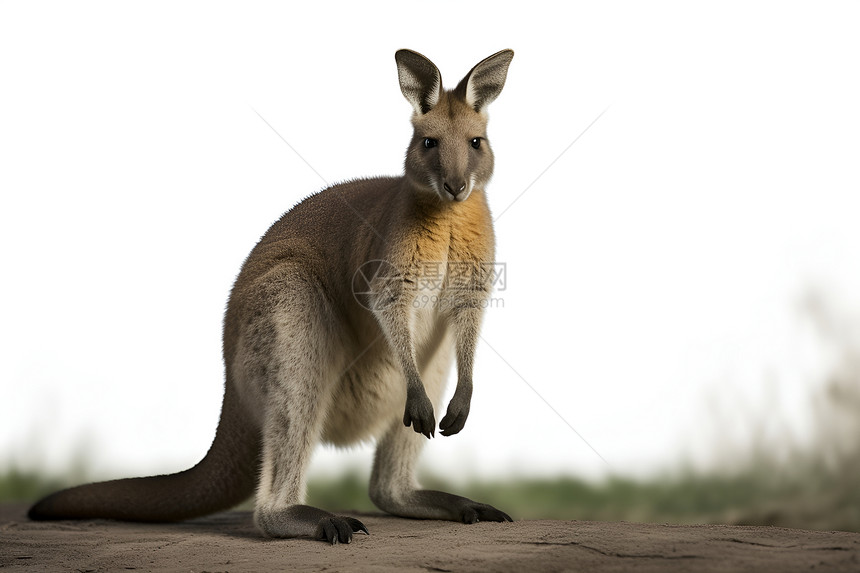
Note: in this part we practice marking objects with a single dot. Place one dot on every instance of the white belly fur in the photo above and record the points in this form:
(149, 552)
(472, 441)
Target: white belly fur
(371, 394)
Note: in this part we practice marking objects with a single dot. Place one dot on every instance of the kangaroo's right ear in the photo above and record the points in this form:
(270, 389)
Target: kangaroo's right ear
(420, 80)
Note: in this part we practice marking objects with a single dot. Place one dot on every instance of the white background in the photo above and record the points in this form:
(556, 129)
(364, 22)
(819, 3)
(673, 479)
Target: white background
(654, 269)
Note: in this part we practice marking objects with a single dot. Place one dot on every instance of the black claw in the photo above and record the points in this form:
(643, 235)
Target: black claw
(493, 514)
(336, 529)
(453, 427)
(344, 531)
(329, 533)
(475, 512)
(357, 526)
(452, 424)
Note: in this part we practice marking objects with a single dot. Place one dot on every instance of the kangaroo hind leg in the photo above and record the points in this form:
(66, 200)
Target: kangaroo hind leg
(299, 385)
(289, 437)
(394, 488)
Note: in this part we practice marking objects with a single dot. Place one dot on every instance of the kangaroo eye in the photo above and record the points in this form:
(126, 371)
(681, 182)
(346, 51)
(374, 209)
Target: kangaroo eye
(430, 143)
(476, 143)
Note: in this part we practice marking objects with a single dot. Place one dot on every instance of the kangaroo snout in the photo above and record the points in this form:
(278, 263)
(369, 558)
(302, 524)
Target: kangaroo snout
(456, 188)
(458, 191)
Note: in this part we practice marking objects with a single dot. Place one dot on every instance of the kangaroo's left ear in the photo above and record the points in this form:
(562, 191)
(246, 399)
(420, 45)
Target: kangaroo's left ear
(485, 82)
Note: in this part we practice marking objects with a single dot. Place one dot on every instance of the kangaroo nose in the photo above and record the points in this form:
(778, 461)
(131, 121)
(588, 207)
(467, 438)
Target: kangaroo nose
(450, 188)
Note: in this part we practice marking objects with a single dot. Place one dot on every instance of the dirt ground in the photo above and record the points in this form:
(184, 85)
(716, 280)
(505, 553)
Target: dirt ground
(229, 542)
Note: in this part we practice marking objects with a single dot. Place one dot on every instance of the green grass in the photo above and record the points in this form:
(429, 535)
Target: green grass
(17, 485)
(762, 497)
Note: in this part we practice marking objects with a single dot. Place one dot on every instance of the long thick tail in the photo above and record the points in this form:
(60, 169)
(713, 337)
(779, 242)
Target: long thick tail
(225, 477)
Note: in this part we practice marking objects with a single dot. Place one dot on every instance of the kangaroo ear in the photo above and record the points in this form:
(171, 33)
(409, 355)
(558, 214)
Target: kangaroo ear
(420, 80)
(485, 82)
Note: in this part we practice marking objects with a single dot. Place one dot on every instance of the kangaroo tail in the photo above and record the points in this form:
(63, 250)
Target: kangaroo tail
(224, 478)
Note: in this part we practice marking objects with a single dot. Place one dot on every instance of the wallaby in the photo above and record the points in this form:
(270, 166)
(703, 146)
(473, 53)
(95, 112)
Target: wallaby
(329, 332)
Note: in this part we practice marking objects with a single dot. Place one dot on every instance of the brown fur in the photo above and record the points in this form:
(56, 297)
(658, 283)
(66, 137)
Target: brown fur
(308, 359)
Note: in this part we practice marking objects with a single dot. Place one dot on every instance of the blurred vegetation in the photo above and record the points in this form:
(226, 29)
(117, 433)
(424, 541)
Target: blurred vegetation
(815, 486)
(18, 485)
(824, 500)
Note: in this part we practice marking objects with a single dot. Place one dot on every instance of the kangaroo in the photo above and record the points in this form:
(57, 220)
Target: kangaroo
(329, 332)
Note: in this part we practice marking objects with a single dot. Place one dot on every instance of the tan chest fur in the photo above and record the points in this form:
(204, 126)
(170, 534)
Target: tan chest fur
(440, 261)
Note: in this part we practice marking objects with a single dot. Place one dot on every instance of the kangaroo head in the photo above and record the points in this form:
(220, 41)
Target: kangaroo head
(449, 153)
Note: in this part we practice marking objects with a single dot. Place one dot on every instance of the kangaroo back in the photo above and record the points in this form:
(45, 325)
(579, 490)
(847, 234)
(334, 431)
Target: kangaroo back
(224, 478)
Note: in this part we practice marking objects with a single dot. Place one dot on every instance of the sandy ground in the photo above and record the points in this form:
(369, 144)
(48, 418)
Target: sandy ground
(229, 542)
